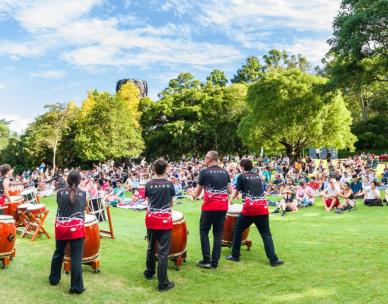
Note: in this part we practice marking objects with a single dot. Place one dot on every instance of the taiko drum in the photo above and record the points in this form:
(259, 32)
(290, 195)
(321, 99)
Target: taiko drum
(92, 240)
(7, 235)
(230, 224)
(178, 235)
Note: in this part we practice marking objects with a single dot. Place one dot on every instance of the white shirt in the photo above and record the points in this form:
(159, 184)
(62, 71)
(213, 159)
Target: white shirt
(372, 193)
(332, 192)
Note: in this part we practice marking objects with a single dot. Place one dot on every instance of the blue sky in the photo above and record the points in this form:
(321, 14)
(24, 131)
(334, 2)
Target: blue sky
(56, 50)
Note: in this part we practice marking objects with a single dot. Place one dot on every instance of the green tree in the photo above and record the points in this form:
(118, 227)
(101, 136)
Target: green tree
(193, 120)
(184, 81)
(45, 133)
(107, 128)
(249, 72)
(217, 77)
(360, 31)
(286, 109)
(4, 133)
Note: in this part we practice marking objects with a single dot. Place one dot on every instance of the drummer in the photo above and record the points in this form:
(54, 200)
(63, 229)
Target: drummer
(5, 183)
(215, 182)
(159, 193)
(69, 228)
(255, 210)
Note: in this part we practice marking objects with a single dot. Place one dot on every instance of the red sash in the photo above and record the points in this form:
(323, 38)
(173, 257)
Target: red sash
(215, 201)
(2, 200)
(157, 220)
(69, 229)
(254, 207)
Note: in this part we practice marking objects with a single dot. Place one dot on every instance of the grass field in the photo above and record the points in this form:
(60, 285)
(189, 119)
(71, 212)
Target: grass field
(330, 258)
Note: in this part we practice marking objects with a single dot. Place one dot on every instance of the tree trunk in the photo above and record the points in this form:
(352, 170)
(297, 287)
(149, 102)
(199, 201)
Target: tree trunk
(364, 107)
(54, 158)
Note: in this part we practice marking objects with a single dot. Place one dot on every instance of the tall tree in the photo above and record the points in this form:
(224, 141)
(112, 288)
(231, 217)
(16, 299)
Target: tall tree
(107, 128)
(249, 72)
(46, 132)
(217, 77)
(286, 109)
(4, 133)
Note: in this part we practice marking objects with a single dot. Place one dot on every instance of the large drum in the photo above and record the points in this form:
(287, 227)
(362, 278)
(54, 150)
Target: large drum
(92, 241)
(22, 219)
(230, 223)
(7, 235)
(178, 235)
(13, 204)
(36, 209)
(15, 191)
(29, 195)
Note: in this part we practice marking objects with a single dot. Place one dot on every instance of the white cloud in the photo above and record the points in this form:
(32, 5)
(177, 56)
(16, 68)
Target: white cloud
(23, 49)
(52, 14)
(179, 7)
(314, 50)
(67, 27)
(2, 85)
(50, 74)
(18, 123)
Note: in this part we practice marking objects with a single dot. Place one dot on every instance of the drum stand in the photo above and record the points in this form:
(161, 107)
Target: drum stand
(6, 260)
(95, 264)
(108, 233)
(34, 225)
(246, 242)
(178, 259)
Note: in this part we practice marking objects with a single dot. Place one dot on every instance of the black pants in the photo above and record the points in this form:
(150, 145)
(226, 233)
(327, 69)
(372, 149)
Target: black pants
(76, 248)
(209, 219)
(373, 202)
(161, 238)
(262, 224)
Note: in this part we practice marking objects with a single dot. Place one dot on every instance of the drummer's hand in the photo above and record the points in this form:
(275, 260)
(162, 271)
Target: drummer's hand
(230, 202)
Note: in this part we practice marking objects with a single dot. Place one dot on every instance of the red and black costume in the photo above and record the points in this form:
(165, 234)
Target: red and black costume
(2, 194)
(69, 228)
(159, 193)
(255, 210)
(215, 181)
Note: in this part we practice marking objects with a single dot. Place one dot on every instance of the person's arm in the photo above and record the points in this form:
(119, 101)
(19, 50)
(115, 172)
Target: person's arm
(200, 185)
(6, 183)
(377, 194)
(197, 191)
(233, 196)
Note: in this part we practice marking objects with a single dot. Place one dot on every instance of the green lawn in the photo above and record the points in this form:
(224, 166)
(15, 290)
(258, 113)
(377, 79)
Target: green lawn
(330, 258)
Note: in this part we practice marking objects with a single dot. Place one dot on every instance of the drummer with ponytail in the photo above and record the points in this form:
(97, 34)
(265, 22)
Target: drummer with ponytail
(69, 228)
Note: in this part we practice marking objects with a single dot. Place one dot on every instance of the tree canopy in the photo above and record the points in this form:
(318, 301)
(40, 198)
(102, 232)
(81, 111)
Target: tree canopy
(286, 109)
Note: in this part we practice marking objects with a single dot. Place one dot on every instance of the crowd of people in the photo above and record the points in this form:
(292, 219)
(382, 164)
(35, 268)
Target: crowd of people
(288, 186)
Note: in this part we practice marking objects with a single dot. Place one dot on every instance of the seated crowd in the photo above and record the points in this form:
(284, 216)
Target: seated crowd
(287, 186)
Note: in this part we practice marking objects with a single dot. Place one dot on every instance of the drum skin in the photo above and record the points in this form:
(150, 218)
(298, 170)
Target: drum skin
(178, 238)
(36, 209)
(229, 227)
(13, 206)
(91, 243)
(14, 191)
(7, 235)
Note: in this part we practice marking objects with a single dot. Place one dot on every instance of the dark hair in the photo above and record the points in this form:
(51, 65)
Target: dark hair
(354, 176)
(246, 164)
(159, 166)
(375, 183)
(347, 184)
(4, 169)
(73, 179)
